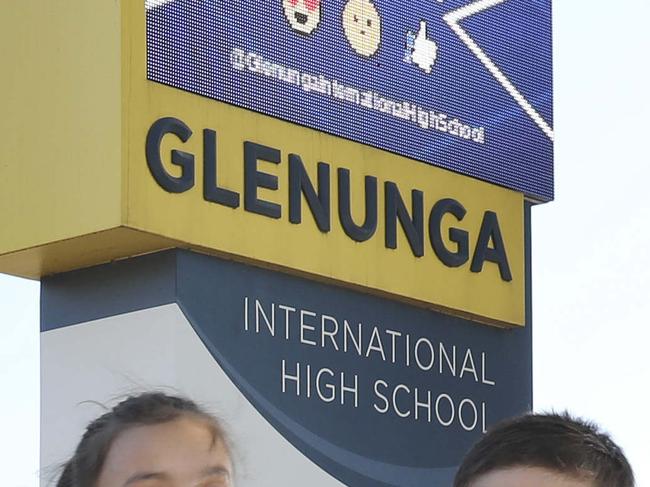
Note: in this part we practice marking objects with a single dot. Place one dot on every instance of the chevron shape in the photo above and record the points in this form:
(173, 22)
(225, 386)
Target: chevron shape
(453, 19)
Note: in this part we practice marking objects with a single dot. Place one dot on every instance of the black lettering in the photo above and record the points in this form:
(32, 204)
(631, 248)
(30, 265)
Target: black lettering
(396, 210)
(299, 183)
(490, 231)
(211, 190)
(456, 235)
(352, 230)
(184, 160)
(253, 179)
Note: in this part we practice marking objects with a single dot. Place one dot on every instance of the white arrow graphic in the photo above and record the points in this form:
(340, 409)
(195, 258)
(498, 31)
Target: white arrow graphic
(149, 4)
(453, 18)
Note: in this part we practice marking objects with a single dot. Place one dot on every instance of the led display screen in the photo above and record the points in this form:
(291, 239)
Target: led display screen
(463, 85)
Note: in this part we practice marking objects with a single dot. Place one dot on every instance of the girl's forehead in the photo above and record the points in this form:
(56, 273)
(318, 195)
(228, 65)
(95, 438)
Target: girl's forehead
(183, 449)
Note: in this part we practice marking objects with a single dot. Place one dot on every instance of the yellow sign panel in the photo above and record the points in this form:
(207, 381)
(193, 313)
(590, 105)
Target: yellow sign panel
(202, 174)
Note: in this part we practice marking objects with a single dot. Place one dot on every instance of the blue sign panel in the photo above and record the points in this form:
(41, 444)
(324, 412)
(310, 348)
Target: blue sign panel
(374, 392)
(464, 85)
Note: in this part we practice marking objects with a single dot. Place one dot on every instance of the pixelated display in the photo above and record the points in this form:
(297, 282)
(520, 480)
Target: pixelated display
(464, 85)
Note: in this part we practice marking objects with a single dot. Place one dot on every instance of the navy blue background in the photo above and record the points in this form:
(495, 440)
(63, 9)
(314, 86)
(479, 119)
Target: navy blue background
(190, 42)
(360, 447)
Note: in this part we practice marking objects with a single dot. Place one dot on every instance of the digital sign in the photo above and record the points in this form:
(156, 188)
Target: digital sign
(463, 85)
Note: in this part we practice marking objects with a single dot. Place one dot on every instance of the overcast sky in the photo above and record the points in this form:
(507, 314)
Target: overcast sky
(591, 246)
(591, 249)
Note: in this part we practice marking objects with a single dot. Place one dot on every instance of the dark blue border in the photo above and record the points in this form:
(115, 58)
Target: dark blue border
(108, 290)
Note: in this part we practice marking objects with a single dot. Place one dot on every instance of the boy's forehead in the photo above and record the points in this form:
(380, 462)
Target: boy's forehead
(529, 477)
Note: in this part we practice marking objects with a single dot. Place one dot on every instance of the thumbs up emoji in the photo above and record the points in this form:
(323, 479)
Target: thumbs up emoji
(425, 50)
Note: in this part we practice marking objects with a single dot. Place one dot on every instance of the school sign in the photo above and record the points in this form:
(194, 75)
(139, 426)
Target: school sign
(285, 232)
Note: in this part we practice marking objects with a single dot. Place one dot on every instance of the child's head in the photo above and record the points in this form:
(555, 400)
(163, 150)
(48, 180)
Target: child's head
(545, 450)
(149, 440)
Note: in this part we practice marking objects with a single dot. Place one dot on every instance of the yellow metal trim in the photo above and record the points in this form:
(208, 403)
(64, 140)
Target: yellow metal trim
(61, 120)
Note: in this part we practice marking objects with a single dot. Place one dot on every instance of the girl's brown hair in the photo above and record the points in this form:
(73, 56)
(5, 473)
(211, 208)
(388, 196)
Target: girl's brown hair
(85, 466)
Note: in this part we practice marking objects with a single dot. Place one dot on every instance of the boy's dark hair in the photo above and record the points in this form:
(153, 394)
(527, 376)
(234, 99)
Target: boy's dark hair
(557, 442)
(85, 466)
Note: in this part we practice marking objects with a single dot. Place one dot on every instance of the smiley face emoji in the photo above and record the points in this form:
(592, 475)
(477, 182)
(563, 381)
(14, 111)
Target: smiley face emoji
(362, 26)
(303, 15)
